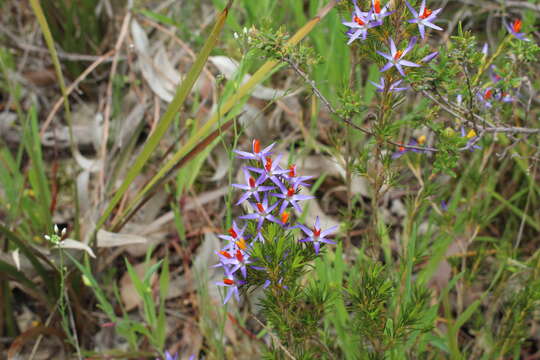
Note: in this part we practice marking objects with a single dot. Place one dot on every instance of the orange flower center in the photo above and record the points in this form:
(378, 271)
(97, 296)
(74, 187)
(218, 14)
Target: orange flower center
(290, 192)
(233, 233)
(241, 244)
(252, 182)
(284, 217)
(426, 13)
(226, 254)
(268, 165)
(317, 232)
(292, 170)
(377, 6)
(398, 54)
(239, 256)
(256, 146)
(228, 281)
(401, 149)
(358, 21)
(260, 207)
(488, 94)
(517, 25)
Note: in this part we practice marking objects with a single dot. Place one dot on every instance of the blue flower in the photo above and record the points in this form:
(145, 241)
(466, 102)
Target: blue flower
(271, 170)
(290, 196)
(359, 24)
(395, 58)
(257, 153)
(262, 212)
(317, 235)
(230, 282)
(253, 187)
(515, 29)
(394, 87)
(424, 17)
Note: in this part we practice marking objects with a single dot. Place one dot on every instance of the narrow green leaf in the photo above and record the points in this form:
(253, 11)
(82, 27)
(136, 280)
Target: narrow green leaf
(517, 211)
(264, 71)
(174, 107)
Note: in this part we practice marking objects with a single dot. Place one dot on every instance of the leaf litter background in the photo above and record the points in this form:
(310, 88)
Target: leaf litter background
(153, 55)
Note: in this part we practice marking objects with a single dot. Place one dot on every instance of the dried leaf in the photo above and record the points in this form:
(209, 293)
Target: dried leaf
(228, 67)
(110, 239)
(77, 245)
(156, 80)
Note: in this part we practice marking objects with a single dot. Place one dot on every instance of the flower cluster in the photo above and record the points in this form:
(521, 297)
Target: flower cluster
(362, 21)
(273, 193)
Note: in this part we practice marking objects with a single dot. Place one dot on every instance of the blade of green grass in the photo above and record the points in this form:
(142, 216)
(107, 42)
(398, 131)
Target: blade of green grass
(131, 208)
(42, 21)
(517, 211)
(163, 125)
(264, 71)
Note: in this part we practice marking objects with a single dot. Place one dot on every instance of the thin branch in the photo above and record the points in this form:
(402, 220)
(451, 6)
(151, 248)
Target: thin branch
(17, 42)
(327, 103)
(275, 338)
(101, 59)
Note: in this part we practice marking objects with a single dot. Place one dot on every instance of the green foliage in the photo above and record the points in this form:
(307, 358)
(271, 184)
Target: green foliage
(76, 27)
(154, 326)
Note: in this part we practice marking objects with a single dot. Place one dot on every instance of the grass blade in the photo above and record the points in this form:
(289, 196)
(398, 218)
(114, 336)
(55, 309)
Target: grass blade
(260, 75)
(175, 106)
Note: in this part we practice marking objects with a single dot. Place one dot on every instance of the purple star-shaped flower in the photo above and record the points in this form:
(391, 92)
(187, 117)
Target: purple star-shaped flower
(485, 97)
(262, 212)
(359, 24)
(238, 262)
(292, 177)
(229, 281)
(271, 170)
(316, 235)
(504, 97)
(257, 153)
(236, 234)
(402, 149)
(515, 29)
(252, 187)
(395, 58)
(378, 13)
(424, 17)
(394, 87)
(291, 197)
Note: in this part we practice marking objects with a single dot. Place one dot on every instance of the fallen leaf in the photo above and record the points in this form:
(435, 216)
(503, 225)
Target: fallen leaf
(110, 239)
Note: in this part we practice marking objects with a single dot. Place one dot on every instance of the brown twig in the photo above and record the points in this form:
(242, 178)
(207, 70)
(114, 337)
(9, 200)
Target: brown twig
(327, 103)
(274, 337)
(61, 54)
(101, 59)
(107, 112)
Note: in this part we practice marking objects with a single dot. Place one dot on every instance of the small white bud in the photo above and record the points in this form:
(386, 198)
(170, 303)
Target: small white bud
(245, 30)
(47, 237)
(64, 230)
(235, 35)
(56, 229)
